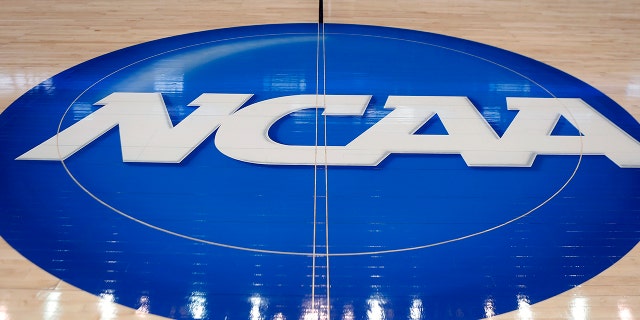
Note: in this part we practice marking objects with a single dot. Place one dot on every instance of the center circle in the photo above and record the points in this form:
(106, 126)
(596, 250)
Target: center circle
(407, 202)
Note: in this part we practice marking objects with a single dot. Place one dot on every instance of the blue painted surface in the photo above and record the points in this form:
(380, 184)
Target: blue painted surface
(407, 201)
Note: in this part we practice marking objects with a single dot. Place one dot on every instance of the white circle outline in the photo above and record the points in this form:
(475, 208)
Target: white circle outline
(309, 254)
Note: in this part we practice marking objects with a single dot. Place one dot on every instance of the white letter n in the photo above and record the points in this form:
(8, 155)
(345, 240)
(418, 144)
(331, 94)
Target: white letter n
(146, 132)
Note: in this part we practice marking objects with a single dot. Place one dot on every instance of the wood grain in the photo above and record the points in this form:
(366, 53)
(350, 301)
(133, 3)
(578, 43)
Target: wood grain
(596, 41)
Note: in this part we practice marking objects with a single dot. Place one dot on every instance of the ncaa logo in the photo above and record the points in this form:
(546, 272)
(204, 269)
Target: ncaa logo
(212, 168)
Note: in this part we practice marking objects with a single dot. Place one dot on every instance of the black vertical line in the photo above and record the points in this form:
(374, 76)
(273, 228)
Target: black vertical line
(321, 11)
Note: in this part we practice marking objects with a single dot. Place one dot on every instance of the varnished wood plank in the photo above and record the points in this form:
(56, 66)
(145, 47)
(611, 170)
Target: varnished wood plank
(596, 41)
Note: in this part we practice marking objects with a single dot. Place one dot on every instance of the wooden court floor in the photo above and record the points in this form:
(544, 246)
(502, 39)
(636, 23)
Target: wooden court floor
(596, 41)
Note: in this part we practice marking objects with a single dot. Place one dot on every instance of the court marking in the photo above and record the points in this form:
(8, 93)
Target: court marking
(314, 254)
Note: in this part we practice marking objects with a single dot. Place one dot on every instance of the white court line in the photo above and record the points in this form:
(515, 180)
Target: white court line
(326, 174)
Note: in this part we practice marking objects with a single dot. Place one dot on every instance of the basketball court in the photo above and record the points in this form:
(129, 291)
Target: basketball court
(333, 160)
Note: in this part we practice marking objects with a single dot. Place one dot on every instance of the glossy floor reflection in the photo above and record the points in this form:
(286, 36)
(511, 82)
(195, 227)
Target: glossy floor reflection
(27, 292)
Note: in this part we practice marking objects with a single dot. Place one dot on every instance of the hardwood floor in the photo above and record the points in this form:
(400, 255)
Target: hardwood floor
(595, 41)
